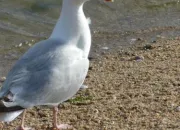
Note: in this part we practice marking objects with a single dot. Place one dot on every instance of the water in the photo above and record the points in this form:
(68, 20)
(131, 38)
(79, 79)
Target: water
(113, 24)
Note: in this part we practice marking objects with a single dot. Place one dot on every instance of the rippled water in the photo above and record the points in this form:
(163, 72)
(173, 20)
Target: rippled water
(113, 24)
(36, 18)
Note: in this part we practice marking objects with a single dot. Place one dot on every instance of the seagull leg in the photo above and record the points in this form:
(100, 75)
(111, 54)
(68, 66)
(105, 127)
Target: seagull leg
(55, 124)
(21, 127)
(1, 125)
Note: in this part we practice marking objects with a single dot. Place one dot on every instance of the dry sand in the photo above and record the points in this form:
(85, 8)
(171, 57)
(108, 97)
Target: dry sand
(137, 88)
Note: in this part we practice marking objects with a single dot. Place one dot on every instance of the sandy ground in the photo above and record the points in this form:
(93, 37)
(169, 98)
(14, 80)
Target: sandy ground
(137, 88)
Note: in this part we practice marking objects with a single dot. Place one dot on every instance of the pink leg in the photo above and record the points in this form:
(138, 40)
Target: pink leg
(55, 124)
(1, 125)
(21, 127)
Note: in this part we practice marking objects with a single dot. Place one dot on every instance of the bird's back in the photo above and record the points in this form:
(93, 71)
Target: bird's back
(48, 73)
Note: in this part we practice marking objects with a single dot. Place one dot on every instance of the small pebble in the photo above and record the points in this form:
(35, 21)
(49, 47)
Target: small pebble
(20, 45)
(139, 39)
(96, 31)
(2, 79)
(139, 58)
(122, 59)
(91, 58)
(178, 108)
(42, 114)
(161, 37)
(153, 41)
(148, 47)
(26, 42)
(83, 87)
(133, 40)
(90, 68)
(105, 48)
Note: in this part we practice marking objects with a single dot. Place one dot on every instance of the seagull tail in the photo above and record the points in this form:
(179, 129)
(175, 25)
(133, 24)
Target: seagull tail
(9, 111)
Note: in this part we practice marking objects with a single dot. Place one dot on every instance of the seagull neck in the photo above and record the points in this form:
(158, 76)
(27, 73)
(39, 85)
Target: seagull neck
(71, 6)
(71, 20)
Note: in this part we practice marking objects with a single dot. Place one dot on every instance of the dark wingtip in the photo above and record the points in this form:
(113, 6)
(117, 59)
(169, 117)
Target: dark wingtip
(10, 109)
(3, 108)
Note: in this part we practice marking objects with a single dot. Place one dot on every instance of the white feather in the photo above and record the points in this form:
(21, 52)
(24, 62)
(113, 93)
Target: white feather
(89, 20)
(9, 116)
(53, 70)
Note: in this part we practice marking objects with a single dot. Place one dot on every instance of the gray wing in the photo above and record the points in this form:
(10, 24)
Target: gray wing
(44, 70)
(35, 57)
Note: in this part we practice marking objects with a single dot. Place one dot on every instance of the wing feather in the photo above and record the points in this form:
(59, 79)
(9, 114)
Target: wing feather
(31, 77)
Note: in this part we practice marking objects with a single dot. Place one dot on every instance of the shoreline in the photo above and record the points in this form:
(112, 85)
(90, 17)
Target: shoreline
(133, 88)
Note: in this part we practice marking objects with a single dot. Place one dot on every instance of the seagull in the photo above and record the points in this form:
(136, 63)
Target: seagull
(52, 71)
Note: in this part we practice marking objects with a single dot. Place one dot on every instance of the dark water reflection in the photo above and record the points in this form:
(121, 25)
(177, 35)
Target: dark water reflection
(113, 24)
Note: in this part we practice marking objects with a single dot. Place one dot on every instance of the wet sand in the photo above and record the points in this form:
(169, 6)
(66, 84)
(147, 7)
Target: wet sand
(134, 88)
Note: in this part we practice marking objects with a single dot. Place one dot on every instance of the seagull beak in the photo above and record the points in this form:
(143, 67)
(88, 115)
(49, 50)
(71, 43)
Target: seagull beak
(109, 0)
